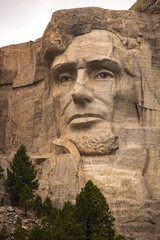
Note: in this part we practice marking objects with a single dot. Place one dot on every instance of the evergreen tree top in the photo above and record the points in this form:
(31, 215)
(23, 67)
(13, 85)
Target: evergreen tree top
(22, 172)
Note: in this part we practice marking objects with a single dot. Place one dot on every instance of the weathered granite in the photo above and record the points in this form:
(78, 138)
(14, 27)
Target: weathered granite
(147, 6)
(85, 100)
(9, 215)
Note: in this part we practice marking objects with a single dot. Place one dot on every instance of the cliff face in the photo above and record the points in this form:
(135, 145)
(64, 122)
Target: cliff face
(149, 6)
(27, 107)
(84, 100)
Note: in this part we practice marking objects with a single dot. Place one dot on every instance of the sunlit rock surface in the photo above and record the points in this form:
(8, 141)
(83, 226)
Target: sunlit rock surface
(84, 99)
(147, 6)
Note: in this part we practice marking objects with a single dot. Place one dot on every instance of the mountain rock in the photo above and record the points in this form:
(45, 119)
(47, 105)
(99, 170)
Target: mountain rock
(85, 101)
(147, 6)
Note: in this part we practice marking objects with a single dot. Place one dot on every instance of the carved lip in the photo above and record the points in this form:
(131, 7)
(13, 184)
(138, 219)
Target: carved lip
(86, 117)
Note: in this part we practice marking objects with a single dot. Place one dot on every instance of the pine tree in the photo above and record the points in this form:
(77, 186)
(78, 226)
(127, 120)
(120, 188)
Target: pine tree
(38, 206)
(19, 233)
(71, 227)
(47, 206)
(92, 211)
(62, 224)
(21, 172)
(36, 233)
(3, 233)
(2, 201)
(1, 172)
(119, 237)
(88, 219)
(25, 198)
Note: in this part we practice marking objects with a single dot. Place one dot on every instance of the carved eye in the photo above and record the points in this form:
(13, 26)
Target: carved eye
(104, 75)
(65, 77)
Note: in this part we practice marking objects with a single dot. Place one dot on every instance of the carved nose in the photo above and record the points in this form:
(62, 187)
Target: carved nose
(82, 95)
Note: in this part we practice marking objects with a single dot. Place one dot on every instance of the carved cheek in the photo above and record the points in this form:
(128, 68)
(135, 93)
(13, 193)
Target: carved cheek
(105, 92)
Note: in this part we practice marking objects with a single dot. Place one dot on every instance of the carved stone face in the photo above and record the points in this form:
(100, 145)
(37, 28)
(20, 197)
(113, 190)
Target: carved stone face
(85, 81)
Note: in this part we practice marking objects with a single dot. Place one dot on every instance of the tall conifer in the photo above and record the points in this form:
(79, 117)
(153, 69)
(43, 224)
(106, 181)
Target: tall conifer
(92, 211)
(21, 173)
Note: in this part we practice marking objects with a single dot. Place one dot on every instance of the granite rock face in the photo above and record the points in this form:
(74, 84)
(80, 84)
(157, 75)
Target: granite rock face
(147, 6)
(9, 215)
(85, 100)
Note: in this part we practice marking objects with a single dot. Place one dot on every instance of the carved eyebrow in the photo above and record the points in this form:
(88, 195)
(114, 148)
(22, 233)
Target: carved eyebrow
(96, 64)
(104, 63)
(61, 67)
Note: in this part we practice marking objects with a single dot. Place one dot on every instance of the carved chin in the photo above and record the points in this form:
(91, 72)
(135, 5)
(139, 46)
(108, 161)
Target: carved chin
(96, 144)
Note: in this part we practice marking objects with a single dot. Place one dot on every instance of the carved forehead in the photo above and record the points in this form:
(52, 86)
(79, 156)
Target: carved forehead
(96, 45)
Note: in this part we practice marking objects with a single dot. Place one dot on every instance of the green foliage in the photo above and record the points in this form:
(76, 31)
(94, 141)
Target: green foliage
(2, 201)
(49, 212)
(88, 219)
(92, 211)
(3, 233)
(53, 230)
(38, 206)
(19, 233)
(72, 228)
(44, 209)
(25, 198)
(62, 224)
(21, 173)
(36, 233)
(1, 172)
(47, 206)
(119, 237)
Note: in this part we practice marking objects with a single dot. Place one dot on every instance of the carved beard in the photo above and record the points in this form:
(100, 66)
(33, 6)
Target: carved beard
(96, 143)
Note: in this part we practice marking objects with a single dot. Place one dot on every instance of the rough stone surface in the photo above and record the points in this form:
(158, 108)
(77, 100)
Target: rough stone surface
(9, 215)
(147, 6)
(85, 100)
